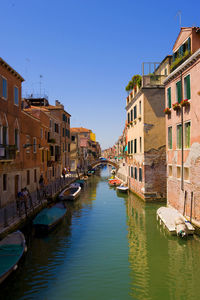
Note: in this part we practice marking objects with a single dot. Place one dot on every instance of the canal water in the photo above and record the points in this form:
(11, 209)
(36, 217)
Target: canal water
(109, 247)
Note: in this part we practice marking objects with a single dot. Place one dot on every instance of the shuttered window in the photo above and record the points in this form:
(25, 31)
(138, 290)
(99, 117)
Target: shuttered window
(128, 118)
(16, 96)
(135, 173)
(131, 115)
(169, 102)
(187, 93)
(187, 135)
(178, 91)
(179, 136)
(128, 147)
(170, 137)
(132, 172)
(135, 145)
(131, 146)
(4, 88)
(140, 174)
(135, 112)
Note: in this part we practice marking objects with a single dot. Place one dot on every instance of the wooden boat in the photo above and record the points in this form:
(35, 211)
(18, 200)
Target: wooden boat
(85, 178)
(122, 188)
(12, 247)
(70, 193)
(174, 221)
(48, 218)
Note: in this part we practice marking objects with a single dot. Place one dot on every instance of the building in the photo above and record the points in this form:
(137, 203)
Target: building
(182, 108)
(146, 157)
(84, 148)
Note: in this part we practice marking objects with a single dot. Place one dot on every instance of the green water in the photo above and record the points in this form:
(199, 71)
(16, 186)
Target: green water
(108, 247)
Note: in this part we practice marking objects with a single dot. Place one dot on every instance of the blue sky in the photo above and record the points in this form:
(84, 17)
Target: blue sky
(88, 50)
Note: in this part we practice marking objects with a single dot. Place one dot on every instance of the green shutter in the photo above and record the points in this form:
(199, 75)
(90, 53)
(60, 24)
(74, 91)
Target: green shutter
(188, 87)
(169, 97)
(178, 91)
(189, 44)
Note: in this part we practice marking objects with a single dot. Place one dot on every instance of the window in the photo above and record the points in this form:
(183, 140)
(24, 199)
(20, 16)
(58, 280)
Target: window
(28, 144)
(187, 94)
(56, 128)
(4, 182)
(140, 174)
(17, 138)
(131, 146)
(35, 175)
(178, 91)
(187, 135)
(5, 135)
(34, 145)
(131, 115)
(170, 137)
(165, 71)
(68, 147)
(186, 173)
(16, 96)
(135, 173)
(41, 133)
(128, 118)
(140, 144)
(140, 107)
(179, 136)
(73, 138)
(178, 172)
(132, 172)
(4, 90)
(28, 177)
(63, 131)
(135, 145)
(170, 171)
(169, 102)
(135, 112)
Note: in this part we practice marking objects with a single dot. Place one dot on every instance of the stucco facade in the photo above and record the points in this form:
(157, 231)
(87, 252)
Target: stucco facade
(182, 129)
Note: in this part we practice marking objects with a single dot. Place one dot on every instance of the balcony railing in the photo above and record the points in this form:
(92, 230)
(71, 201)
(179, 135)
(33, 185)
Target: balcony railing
(7, 152)
(152, 80)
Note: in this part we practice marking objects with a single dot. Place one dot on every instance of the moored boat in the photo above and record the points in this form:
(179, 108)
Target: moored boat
(12, 248)
(70, 193)
(114, 182)
(48, 218)
(174, 221)
(81, 182)
(122, 188)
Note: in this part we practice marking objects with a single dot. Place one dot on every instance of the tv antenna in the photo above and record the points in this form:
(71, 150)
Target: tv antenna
(41, 76)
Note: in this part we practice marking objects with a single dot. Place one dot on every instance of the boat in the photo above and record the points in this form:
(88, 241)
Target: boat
(70, 193)
(114, 182)
(48, 218)
(85, 178)
(12, 248)
(122, 188)
(174, 221)
(81, 182)
(74, 185)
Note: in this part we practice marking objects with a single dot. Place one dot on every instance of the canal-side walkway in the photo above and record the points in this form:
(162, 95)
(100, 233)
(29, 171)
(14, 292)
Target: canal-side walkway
(17, 213)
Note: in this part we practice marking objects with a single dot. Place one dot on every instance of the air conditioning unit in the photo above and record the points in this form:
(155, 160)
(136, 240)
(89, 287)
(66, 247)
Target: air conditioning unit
(2, 151)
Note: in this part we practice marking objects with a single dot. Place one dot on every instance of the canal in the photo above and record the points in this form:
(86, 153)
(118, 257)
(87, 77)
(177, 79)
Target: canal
(109, 247)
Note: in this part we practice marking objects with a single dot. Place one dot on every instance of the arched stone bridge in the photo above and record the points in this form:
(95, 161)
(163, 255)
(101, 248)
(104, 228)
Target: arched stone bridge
(104, 162)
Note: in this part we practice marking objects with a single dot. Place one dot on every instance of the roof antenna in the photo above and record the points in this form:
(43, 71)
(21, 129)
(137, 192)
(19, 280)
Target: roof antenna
(40, 85)
(179, 14)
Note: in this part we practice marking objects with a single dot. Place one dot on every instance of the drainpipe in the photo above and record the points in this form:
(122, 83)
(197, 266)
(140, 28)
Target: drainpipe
(182, 149)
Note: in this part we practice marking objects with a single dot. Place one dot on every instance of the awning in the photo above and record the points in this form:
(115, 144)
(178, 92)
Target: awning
(126, 149)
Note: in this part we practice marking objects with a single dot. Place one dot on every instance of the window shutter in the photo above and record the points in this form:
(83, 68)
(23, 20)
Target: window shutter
(188, 87)
(169, 97)
(189, 44)
(178, 88)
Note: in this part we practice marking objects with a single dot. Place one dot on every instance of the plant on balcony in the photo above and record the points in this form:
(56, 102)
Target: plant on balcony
(176, 106)
(179, 58)
(185, 102)
(135, 81)
(52, 141)
(167, 111)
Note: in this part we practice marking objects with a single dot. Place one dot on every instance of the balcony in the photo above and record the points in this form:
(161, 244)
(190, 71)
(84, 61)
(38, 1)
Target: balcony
(7, 152)
(153, 80)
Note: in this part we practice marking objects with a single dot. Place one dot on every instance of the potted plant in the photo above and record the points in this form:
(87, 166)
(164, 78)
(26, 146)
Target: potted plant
(167, 111)
(185, 102)
(176, 106)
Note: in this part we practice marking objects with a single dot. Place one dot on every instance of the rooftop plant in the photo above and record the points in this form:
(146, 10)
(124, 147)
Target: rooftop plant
(135, 81)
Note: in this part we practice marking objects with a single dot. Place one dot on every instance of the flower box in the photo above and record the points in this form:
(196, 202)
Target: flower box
(185, 102)
(176, 106)
(167, 111)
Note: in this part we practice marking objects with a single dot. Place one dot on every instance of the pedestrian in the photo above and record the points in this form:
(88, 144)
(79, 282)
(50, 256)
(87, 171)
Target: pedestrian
(63, 173)
(41, 181)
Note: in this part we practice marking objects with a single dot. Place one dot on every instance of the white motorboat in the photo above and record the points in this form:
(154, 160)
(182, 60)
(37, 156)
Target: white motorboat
(70, 193)
(174, 221)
